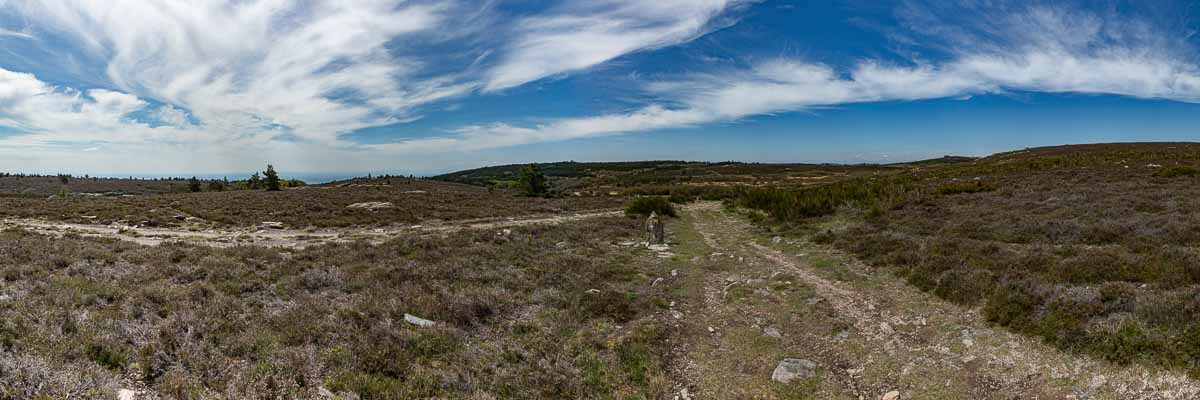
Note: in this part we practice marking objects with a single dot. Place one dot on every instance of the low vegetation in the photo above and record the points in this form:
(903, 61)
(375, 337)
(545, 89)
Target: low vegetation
(414, 202)
(1082, 246)
(538, 312)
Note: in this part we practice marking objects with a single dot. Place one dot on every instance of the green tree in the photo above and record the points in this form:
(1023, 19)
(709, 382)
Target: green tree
(533, 181)
(272, 178)
(254, 182)
(194, 185)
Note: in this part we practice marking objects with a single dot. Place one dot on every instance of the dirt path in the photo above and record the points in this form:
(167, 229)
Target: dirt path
(759, 299)
(282, 238)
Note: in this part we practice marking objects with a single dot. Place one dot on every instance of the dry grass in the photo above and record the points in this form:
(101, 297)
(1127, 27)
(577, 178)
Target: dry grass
(517, 317)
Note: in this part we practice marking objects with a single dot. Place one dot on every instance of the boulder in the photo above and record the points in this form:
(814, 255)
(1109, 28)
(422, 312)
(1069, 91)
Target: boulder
(793, 368)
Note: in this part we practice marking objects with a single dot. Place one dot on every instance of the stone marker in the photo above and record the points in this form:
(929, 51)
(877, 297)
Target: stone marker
(654, 229)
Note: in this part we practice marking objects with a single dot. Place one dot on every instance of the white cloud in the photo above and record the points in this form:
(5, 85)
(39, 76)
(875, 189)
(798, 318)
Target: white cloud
(584, 34)
(1049, 50)
(245, 76)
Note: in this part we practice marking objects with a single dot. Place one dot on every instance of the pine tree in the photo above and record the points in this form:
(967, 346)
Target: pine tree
(194, 185)
(254, 182)
(272, 178)
(533, 181)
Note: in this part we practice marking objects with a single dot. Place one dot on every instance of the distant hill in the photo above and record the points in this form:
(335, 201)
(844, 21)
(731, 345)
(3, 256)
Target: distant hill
(662, 172)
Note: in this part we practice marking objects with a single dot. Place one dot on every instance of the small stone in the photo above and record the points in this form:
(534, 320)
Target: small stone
(271, 225)
(676, 314)
(711, 330)
(684, 395)
(674, 272)
(792, 368)
(886, 329)
(592, 291)
(418, 321)
(772, 332)
(892, 395)
(126, 394)
(777, 240)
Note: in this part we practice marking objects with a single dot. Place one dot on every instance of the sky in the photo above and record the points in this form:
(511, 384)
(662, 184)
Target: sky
(343, 87)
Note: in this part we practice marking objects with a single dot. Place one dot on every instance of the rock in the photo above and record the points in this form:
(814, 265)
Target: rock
(886, 329)
(270, 225)
(627, 244)
(772, 332)
(676, 314)
(561, 245)
(418, 321)
(674, 272)
(126, 394)
(684, 395)
(658, 247)
(592, 291)
(325, 393)
(792, 368)
(711, 330)
(777, 240)
(372, 205)
(892, 395)
(193, 219)
(505, 232)
(180, 217)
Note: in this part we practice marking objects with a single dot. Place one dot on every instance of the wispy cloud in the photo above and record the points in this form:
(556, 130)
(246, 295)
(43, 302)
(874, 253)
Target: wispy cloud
(249, 74)
(1039, 49)
(584, 34)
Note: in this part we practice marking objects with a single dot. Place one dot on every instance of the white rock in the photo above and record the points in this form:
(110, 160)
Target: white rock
(270, 225)
(674, 272)
(711, 330)
(658, 247)
(418, 321)
(886, 329)
(892, 395)
(776, 240)
(126, 394)
(791, 368)
(772, 332)
(372, 205)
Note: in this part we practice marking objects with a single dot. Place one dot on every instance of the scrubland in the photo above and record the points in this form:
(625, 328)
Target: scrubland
(1092, 248)
(537, 312)
(413, 201)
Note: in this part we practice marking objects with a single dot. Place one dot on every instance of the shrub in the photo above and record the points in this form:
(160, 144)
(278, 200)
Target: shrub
(533, 181)
(194, 185)
(646, 204)
(969, 187)
(1176, 171)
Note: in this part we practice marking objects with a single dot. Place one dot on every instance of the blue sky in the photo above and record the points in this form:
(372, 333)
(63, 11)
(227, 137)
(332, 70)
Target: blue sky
(340, 87)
